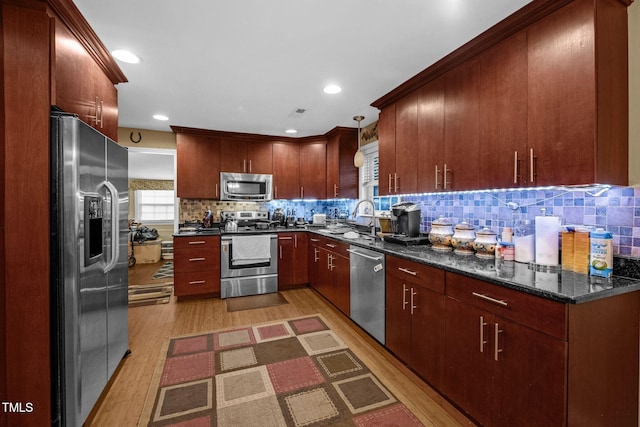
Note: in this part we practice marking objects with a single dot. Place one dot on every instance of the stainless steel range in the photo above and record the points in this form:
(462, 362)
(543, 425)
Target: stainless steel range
(248, 255)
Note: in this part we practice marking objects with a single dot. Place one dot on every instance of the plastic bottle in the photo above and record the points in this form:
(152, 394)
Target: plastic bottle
(507, 234)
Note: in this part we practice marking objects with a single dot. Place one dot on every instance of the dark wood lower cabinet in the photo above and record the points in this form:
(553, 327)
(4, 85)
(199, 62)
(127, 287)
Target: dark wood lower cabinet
(196, 261)
(503, 373)
(329, 271)
(292, 260)
(415, 317)
(505, 357)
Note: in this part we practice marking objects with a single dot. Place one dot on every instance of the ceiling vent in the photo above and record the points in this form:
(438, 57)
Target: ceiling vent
(297, 113)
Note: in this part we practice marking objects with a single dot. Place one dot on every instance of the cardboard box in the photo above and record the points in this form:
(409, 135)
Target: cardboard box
(147, 252)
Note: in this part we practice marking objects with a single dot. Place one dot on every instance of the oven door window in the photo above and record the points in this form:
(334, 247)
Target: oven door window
(239, 265)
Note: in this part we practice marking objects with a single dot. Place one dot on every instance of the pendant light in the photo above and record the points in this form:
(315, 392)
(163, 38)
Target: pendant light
(358, 159)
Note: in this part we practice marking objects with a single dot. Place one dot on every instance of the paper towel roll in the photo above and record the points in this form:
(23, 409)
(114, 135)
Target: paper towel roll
(547, 246)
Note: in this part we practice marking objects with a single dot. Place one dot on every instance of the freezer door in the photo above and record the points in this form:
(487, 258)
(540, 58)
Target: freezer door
(92, 297)
(118, 270)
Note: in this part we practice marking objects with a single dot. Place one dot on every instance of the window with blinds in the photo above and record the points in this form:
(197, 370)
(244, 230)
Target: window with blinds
(154, 206)
(369, 171)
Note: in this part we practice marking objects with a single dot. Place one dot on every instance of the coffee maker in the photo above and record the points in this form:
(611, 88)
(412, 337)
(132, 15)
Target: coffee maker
(405, 219)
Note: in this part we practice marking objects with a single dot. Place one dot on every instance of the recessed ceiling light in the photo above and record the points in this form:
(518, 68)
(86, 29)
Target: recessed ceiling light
(125, 56)
(290, 131)
(332, 89)
(160, 117)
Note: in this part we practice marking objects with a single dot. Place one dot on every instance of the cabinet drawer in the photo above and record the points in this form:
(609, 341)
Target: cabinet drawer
(429, 277)
(336, 247)
(186, 261)
(190, 242)
(529, 310)
(202, 282)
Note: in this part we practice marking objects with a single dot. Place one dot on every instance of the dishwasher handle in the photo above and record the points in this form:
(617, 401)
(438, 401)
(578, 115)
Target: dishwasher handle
(363, 255)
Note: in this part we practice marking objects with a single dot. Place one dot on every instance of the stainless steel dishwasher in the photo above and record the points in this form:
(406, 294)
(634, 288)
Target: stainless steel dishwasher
(368, 290)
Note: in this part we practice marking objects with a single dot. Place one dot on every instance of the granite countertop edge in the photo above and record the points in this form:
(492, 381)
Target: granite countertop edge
(569, 287)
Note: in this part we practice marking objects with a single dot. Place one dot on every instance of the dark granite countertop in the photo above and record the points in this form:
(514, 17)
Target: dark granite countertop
(561, 286)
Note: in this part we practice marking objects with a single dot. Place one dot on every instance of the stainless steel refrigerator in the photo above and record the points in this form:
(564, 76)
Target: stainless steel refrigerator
(89, 235)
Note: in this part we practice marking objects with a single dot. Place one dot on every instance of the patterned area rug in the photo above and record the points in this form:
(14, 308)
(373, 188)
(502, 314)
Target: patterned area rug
(150, 294)
(294, 372)
(164, 272)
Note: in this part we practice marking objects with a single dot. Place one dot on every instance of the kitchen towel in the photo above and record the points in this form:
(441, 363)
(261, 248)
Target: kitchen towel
(547, 240)
(250, 249)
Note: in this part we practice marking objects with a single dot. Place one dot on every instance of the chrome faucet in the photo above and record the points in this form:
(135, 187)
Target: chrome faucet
(373, 214)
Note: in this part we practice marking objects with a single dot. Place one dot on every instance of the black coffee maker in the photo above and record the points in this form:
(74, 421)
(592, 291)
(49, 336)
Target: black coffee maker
(405, 219)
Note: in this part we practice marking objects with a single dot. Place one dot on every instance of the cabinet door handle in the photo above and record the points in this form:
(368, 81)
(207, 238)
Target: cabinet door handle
(295, 241)
(330, 245)
(217, 190)
(482, 340)
(437, 171)
(315, 240)
(404, 296)
(447, 184)
(280, 252)
(315, 254)
(101, 111)
(335, 190)
(496, 347)
(413, 306)
(488, 298)
(196, 259)
(406, 270)
(285, 238)
(197, 282)
(302, 192)
(395, 182)
(390, 184)
(531, 166)
(249, 165)
(515, 167)
(197, 242)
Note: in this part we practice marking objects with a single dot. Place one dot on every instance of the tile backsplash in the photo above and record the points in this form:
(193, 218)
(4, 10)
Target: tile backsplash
(616, 209)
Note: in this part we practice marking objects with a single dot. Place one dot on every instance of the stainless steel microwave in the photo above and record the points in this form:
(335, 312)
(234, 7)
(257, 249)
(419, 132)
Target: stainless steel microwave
(246, 187)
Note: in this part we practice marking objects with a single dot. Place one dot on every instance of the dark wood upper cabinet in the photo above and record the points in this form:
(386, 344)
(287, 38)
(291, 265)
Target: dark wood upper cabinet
(286, 170)
(386, 150)
(198, 166)
(80, 84)
(461, 128)
(430, 144)
(246, 156)
(578, 107)
(406, 173)
(539, 99)
(313, 170)
(342, 175)
(502, 88)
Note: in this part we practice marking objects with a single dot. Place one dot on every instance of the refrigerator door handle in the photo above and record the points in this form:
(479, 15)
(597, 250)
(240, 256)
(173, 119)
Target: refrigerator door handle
(115, 226)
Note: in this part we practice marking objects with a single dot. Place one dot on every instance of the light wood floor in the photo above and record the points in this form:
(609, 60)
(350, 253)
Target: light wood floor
(149, 326)
(142, 274)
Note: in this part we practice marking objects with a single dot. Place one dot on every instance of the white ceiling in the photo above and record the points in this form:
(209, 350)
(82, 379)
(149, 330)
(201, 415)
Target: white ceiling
(246, 65)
